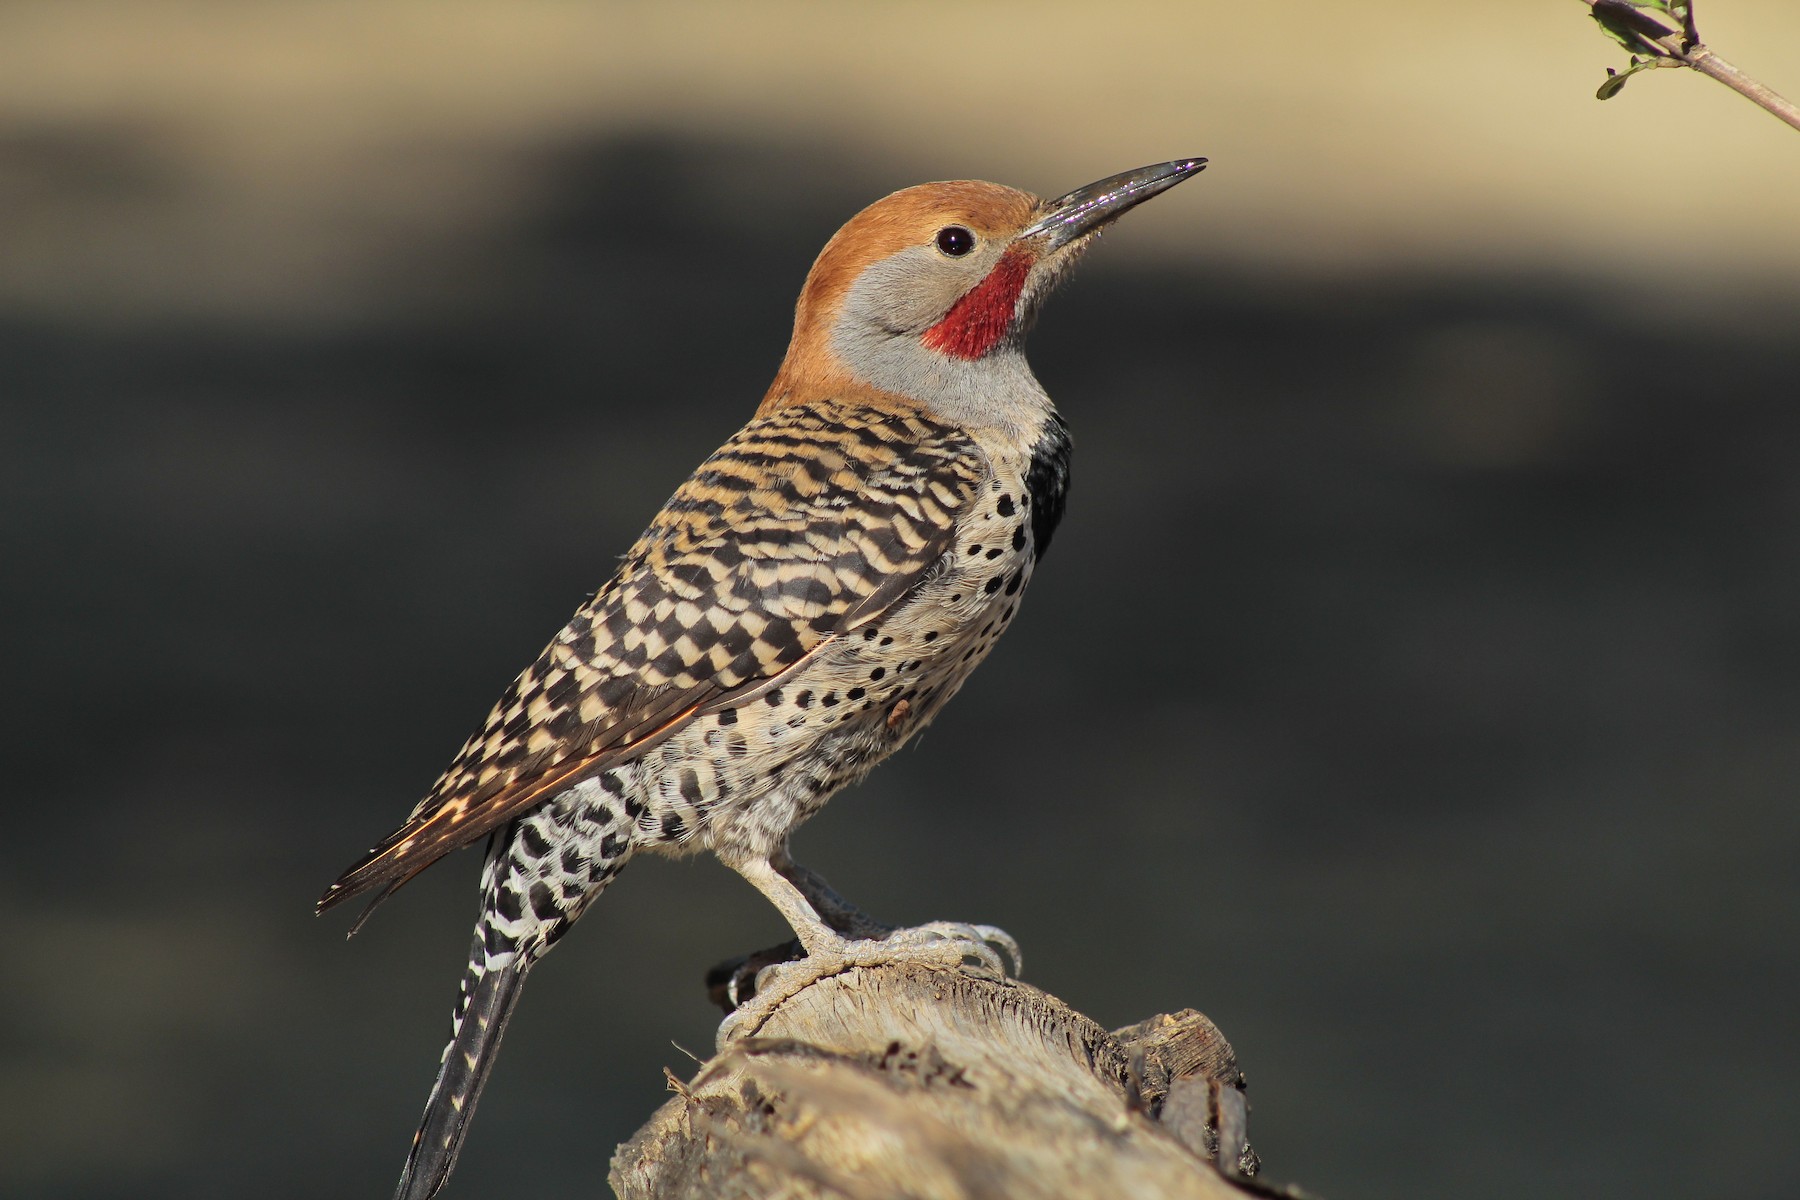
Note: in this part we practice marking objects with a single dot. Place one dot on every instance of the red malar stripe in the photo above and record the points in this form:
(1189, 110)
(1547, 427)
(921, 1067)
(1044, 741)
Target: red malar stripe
(977, 322)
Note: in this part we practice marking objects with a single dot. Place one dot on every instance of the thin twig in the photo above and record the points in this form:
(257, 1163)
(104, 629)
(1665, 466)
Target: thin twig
(1659, 36)
(1712, 66)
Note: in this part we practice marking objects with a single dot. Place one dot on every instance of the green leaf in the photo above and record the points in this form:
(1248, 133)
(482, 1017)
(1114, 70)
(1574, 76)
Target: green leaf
(1625, 23)
(1612, 30)
(1615, 80)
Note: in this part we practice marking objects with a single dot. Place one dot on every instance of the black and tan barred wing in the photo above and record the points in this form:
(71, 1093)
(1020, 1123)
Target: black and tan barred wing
(811, 521)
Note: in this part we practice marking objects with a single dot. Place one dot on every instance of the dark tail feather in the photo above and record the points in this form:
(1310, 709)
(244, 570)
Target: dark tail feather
(467, 1061)
(374, 904)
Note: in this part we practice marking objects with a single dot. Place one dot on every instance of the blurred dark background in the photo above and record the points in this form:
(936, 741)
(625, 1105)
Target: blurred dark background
(1459, 789)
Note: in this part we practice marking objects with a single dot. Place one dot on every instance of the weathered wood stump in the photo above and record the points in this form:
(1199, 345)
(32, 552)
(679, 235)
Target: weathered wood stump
(933, 1083)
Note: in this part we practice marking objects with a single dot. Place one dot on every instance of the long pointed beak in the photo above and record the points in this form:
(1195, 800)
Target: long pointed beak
(1087, 209)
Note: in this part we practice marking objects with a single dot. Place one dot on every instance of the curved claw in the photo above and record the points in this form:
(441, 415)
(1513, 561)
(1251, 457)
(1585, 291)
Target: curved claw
(980, 940)
(945, 942)
(732, 983)
(997, 936)
(728, 1028)
(735, 992)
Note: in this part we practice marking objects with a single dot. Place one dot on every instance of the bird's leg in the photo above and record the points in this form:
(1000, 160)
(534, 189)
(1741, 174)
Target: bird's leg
(829, 952)
(837, 912)
(733, 982)
(853, 922)
(816, 934)
(741, 985)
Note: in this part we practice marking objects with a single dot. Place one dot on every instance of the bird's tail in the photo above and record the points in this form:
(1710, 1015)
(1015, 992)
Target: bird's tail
(539, 877)
(489, 993)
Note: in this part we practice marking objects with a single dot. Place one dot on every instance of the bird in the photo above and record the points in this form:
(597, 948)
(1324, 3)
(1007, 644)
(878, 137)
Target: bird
(806, 601)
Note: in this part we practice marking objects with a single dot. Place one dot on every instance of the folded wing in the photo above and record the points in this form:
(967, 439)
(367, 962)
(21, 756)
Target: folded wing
(812, 521)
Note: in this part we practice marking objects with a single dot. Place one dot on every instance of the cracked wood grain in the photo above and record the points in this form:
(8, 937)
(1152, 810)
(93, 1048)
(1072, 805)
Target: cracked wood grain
(909, 1080)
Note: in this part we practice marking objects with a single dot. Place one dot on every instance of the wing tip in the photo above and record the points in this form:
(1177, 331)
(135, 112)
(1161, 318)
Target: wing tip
(334, 895)
(376, 868)
(356, 881)
(359, 878)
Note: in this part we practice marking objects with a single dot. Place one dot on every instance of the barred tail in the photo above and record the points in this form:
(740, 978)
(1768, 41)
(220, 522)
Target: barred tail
(487, 1003)
(540, 875)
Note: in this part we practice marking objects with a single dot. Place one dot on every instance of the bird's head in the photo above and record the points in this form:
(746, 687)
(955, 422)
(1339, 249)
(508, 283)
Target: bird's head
(926, 294)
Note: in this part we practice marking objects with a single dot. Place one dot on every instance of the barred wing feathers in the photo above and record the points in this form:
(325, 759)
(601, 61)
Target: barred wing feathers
(813, 520)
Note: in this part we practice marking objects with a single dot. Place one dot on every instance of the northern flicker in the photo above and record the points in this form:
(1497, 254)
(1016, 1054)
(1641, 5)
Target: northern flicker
(804, 603)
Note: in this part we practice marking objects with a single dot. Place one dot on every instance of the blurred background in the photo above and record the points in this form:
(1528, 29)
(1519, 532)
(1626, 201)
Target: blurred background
(1451, 417)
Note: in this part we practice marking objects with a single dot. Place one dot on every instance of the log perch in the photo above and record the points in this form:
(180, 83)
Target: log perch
(911, 1080)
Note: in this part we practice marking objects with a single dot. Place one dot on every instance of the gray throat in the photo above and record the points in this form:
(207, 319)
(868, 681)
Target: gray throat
(997, 391)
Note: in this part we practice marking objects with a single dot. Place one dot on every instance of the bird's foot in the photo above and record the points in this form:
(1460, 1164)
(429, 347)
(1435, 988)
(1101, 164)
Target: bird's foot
(732, 983)
(755, 991)
(984, 944)
(843, 917)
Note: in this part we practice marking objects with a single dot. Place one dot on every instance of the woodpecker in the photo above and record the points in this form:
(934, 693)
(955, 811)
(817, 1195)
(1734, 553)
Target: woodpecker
(807, 601)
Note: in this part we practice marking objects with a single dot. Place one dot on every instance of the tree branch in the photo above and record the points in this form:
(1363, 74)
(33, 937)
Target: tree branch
(940, 1084)
(1671, 42)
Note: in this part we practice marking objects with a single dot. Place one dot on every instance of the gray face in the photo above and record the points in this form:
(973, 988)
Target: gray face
(896, 300)
(909, 292)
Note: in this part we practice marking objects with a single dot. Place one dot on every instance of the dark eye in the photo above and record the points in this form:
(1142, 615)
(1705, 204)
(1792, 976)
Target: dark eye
(955, 241)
